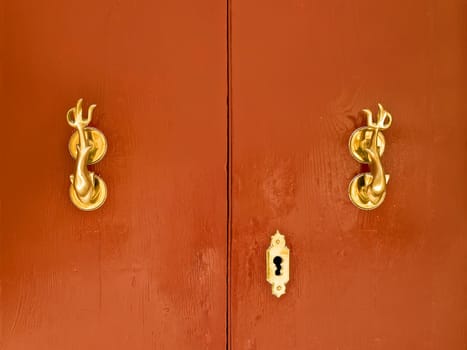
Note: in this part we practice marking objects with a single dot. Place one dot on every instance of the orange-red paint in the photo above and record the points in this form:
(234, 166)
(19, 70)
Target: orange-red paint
(392, 278)
(149, 269)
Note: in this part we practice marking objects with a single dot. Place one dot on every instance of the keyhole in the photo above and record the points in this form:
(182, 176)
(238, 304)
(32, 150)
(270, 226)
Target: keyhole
(277, 261)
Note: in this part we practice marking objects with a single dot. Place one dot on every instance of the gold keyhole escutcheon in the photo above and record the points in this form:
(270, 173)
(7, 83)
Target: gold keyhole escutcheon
(278, 264)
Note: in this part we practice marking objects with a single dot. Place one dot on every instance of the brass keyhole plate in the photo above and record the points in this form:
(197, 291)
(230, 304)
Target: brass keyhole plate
(277, 264)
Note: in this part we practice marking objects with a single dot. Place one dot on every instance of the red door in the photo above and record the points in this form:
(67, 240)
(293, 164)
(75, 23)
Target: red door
(391, 278)
(225, 122)
(148, 269)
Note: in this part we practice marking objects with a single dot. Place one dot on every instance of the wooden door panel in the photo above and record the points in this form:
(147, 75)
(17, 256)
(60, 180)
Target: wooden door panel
(392, 278)
(147, 270)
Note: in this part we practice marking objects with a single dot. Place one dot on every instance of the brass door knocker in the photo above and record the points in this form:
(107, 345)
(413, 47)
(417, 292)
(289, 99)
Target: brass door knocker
(88, 146)
(368, 190)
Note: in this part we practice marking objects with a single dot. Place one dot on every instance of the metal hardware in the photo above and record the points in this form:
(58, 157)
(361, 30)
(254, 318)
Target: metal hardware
(277, 264)
(88, 146)
(366, 144)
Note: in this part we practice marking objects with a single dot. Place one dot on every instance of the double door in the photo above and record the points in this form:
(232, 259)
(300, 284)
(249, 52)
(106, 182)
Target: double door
(225, 122)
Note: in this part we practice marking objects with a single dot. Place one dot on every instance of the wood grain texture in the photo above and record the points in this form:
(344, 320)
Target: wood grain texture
(147, 270)
(393, 278)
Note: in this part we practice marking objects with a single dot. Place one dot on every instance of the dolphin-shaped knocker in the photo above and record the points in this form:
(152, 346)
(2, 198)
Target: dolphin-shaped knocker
(368, 190)
(88, 191)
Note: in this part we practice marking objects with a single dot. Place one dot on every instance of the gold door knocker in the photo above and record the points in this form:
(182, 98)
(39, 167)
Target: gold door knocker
(88, 146)
(277, 264)
(368, 190)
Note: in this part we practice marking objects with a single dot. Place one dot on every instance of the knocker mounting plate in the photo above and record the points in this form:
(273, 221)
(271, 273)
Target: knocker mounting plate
(95, 138)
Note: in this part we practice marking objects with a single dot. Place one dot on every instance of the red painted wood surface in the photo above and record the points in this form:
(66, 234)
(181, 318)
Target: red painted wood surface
(393, 278)
(147, 270)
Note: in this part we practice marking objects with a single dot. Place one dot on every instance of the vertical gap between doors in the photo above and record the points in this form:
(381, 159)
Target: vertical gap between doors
(229, 174)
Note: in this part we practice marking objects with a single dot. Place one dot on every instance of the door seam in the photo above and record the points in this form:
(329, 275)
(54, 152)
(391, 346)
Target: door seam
(229, 174)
